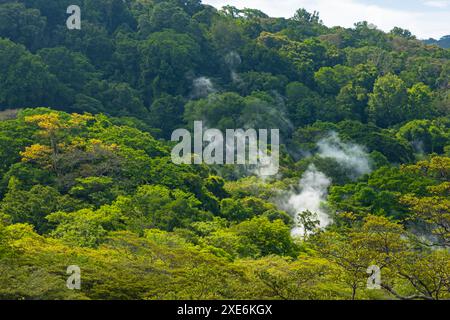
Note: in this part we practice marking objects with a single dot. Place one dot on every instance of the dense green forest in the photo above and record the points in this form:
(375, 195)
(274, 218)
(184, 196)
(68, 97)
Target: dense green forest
(86, 176)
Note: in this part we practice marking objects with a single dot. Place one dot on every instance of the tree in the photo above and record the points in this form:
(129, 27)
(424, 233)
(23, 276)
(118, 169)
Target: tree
(26, 79)
(435, 213)
(92, 40)
(86, 227)
(53, 126)
(34, 205)
(304, 17)
(308, 56)
(71, 68)
(166, 113)
(250, 82)
(120, 99)
(22, 25)
(377, 241)
(308, 221)
(419, 102)
(427, 273)
(352, 102)
(126, 59)
(160, 207)
(222, 111)
(109, 13)
(433, 210)
(265, 238)
(244, 209)
(261, 57)
(308, 278)
(403, 33)
(387, 103)
(96, 190)
(227, 36)
(367, 34)
(331, 79)
(426, 135)
(165, 57)
(231, 11)
(253, 14)
(167, 15)
(302, 103)
(422, 69)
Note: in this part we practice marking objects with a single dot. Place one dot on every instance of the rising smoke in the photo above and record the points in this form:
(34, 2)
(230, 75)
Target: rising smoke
(233, 60)
(314, 184)
(350, 156)
(314, 190)
(202, 87)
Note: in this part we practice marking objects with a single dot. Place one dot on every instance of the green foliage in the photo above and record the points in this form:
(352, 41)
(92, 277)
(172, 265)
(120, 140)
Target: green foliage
(388, 101)
(257, 237)
(34, 205)
(22, 25)
(160, 207)
(166, 56)
(428, 136)
(26, 79)
(86, 175)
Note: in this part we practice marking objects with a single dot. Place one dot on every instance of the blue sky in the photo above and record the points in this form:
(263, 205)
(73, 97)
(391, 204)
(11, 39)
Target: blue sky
(425, 18)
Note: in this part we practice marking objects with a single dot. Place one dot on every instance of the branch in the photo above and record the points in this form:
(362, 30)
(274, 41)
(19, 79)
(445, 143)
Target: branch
(399, 296)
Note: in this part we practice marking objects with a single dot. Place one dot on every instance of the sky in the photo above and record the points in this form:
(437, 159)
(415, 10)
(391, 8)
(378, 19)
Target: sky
(424, 18)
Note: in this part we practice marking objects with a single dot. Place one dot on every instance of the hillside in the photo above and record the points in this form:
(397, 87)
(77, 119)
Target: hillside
(87, 178)
(444, 42)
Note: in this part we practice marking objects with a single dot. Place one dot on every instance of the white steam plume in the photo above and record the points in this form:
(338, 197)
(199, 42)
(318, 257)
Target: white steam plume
(202, 87)
(233, 60)
(314, 190)
(314, 184)
(350, 156)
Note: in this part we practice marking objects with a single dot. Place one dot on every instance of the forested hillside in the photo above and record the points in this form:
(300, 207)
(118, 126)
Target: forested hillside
(444, 42)
(87, 179)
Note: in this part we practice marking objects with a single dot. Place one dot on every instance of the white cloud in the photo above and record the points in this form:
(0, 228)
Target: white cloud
(423, 24)
(438, 4)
